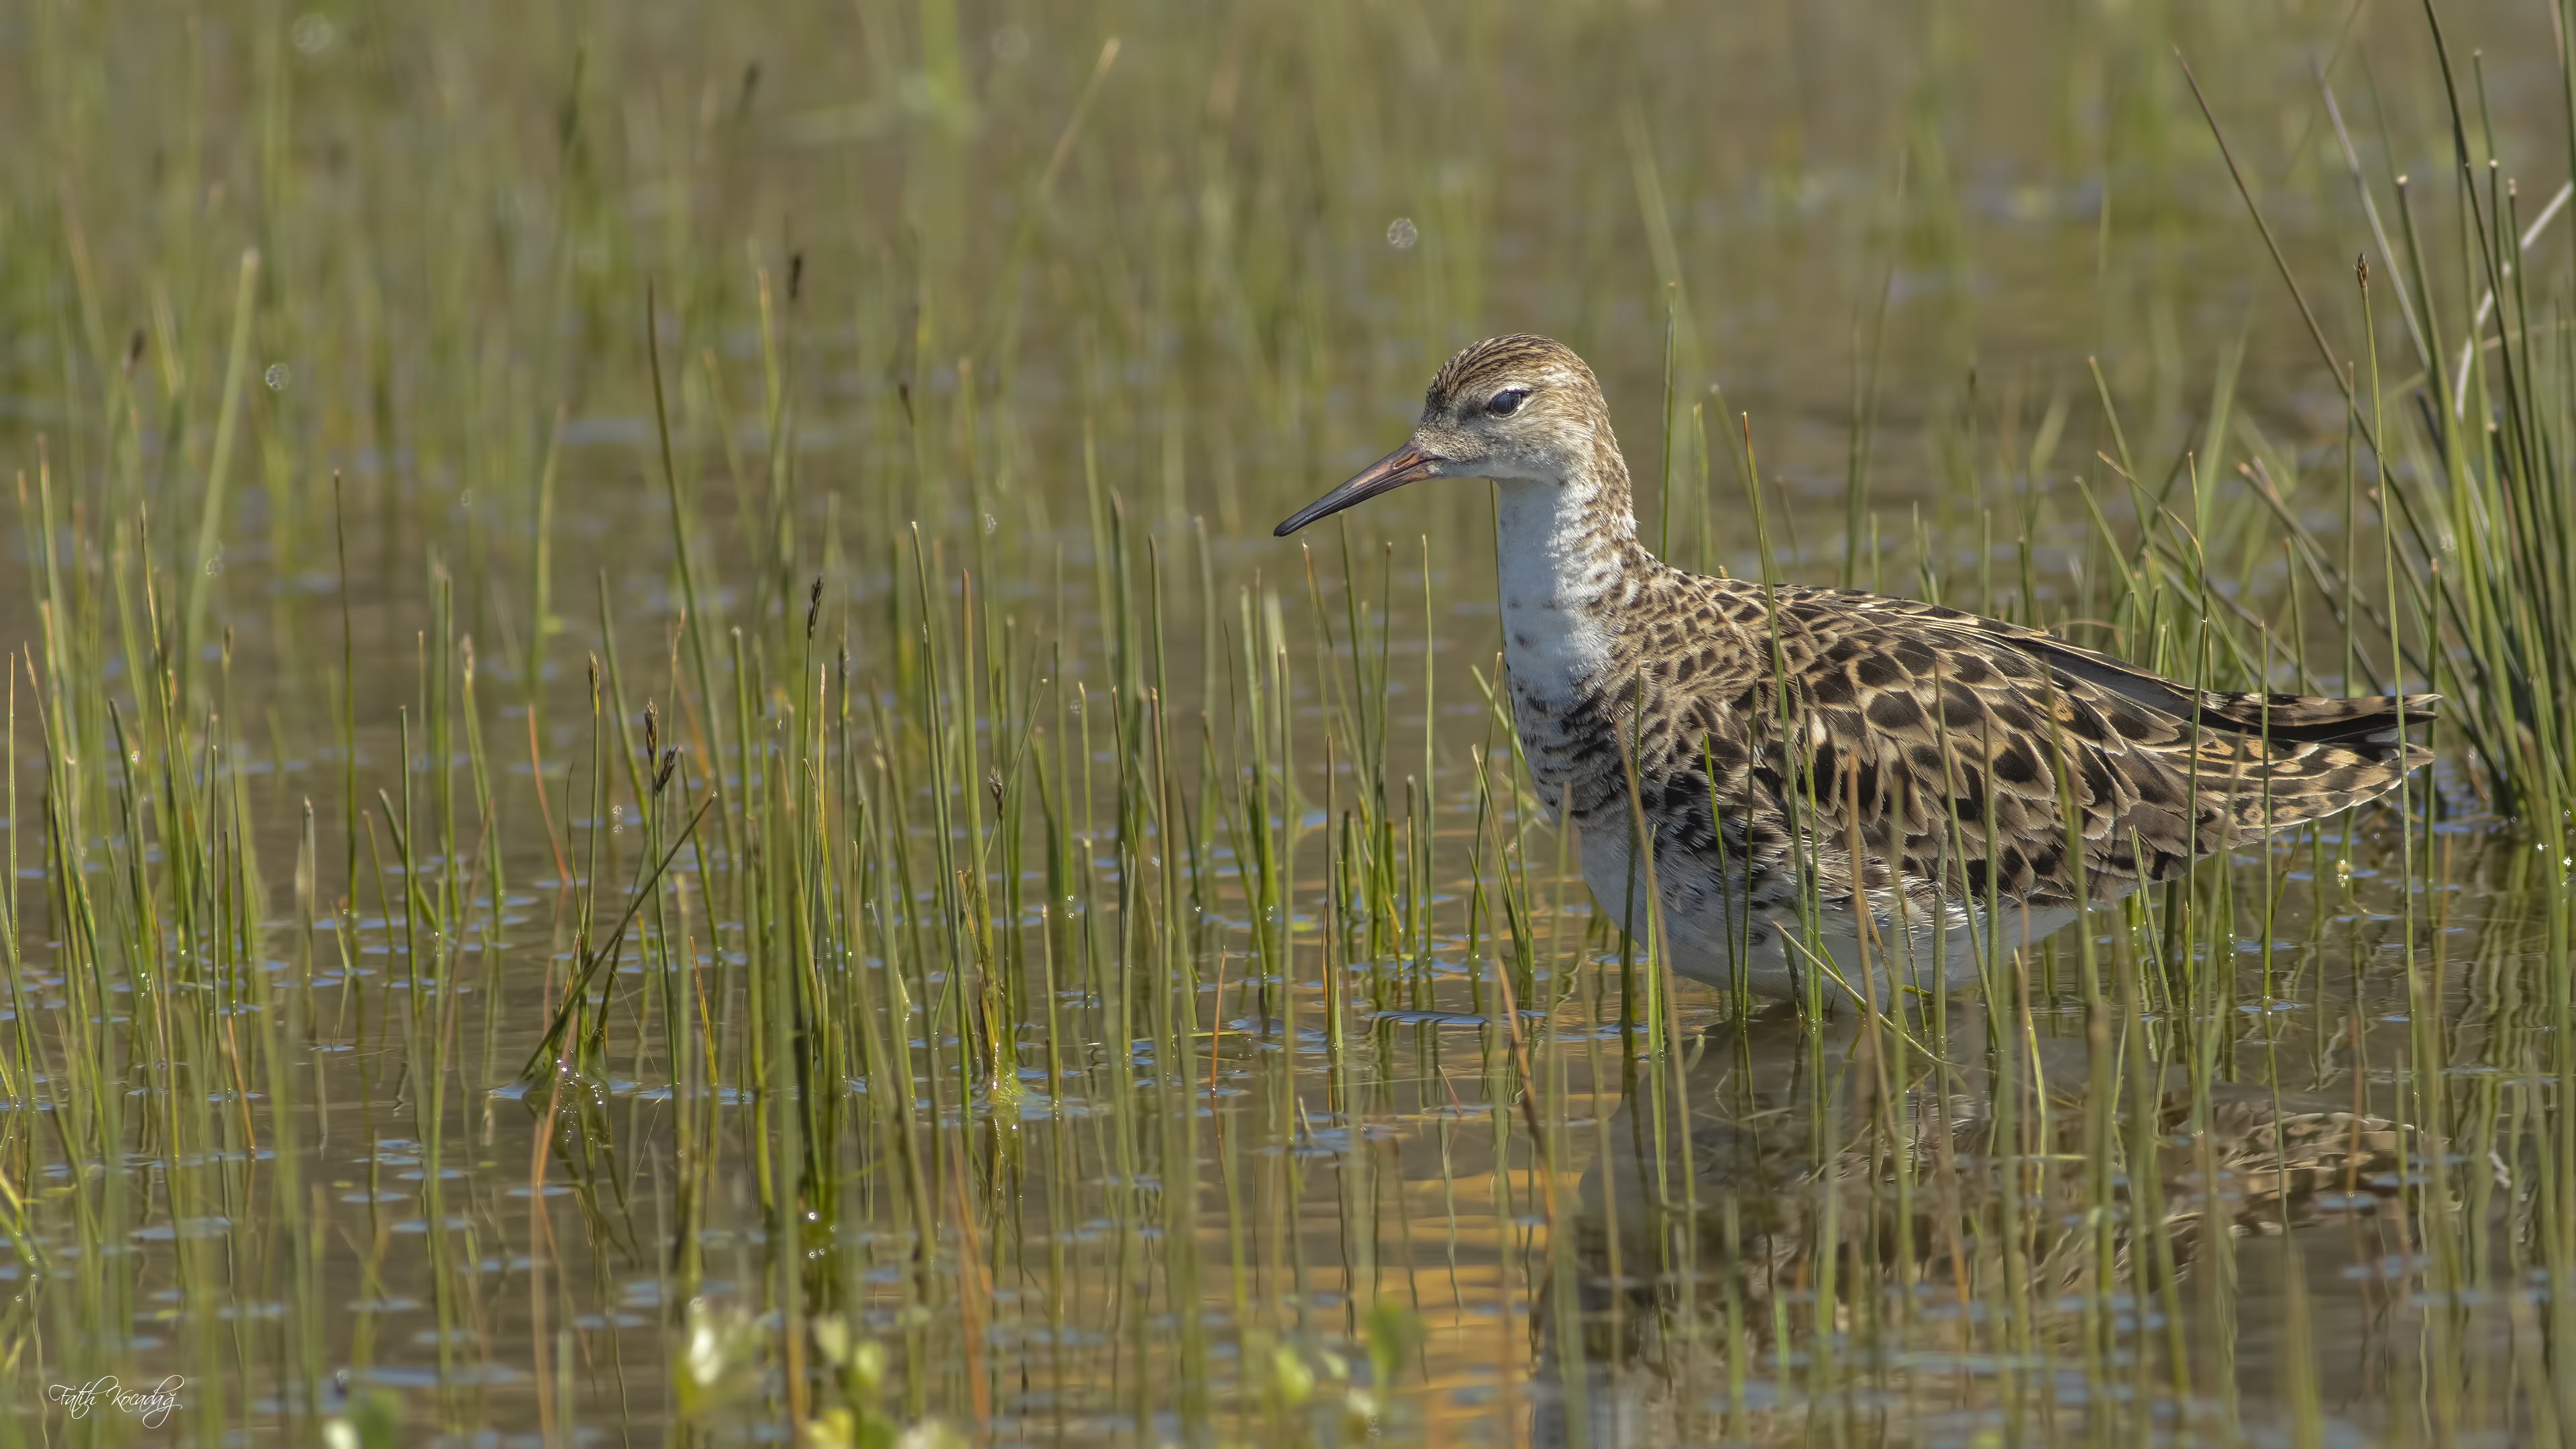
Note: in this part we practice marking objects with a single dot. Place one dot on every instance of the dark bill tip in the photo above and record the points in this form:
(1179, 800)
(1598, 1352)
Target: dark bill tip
(1407, 464)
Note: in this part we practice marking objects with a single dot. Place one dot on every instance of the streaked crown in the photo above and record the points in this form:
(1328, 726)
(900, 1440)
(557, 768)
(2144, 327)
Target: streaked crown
(1481, 369)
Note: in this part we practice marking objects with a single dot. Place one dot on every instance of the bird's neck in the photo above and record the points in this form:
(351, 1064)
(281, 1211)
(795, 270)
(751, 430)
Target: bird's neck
(1567, 560)
(1571, 540)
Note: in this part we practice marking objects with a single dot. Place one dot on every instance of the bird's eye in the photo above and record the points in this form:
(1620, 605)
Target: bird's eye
(1507, 402)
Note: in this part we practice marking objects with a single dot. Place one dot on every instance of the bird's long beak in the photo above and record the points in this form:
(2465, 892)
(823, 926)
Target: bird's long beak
(1407, 464)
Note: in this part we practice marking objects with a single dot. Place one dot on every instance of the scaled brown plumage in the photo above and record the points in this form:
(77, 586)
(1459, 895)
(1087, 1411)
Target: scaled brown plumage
(1919, 723)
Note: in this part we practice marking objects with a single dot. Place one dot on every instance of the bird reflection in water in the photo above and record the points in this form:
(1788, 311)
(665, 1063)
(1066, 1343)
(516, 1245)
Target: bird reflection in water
(1889, 1239)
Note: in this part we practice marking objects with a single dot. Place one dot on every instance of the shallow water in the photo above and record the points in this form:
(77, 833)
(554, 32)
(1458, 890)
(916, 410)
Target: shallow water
(1174, 1162)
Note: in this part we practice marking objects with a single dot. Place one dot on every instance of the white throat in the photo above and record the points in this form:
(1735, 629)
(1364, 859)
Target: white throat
(1557, 561)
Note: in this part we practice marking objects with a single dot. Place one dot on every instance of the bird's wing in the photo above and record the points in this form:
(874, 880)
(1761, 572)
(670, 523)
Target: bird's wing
(1954, 750)
(2371, 719)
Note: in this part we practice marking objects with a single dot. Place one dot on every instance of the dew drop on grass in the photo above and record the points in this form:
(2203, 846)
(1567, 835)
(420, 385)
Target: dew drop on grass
(277, 377)
(312, 33)
(1401, 235)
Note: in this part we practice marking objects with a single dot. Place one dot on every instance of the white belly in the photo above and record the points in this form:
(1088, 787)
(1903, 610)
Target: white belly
(1709, 937)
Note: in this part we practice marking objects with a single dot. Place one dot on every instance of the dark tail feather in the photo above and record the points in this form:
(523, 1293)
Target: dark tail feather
(2301, 718)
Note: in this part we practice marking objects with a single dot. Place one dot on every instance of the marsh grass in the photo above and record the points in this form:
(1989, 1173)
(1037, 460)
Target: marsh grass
(974, 949)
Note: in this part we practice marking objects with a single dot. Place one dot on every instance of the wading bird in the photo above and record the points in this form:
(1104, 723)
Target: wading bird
(1843, 790)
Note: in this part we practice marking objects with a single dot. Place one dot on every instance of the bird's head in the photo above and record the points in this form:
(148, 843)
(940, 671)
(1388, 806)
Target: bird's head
(1513, 409)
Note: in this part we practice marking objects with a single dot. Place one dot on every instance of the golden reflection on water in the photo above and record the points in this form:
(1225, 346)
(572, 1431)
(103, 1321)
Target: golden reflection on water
(1846, 1252)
